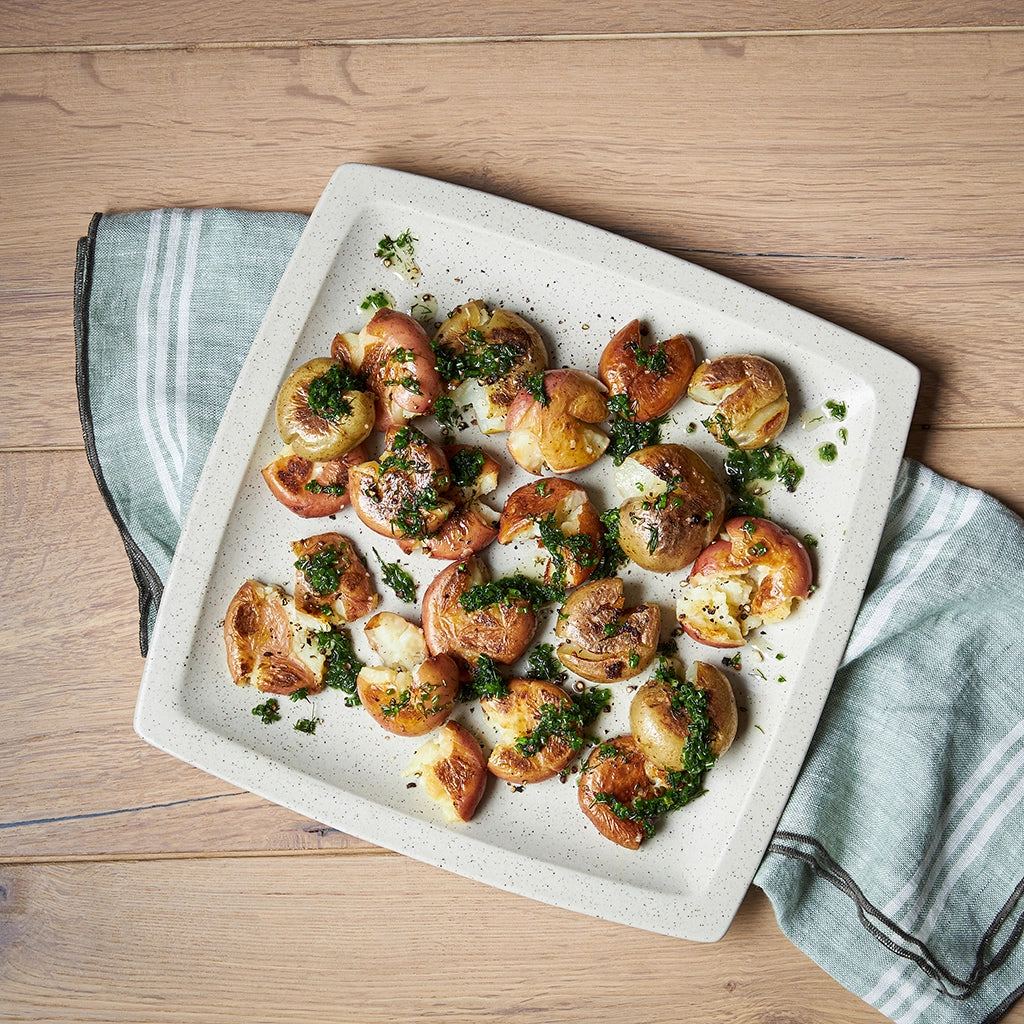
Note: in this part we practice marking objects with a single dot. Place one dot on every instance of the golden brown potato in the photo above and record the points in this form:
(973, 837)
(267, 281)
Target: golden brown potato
(500, 348)
(310, 489)
(550, 509)
(472, 524)
(453, 769)
(558, 431)
(393, 353)
(331, 580)
(270, 643)
(674, 506)
(603, 642)
(517, 715)
(750, 399)
(661, 725)
(320, 411)
(402, 494)
(501, 631)
(414, 691)
(757, 575)
(617, 769)
(652, 377)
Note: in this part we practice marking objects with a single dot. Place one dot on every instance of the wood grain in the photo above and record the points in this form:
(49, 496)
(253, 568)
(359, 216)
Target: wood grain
(79, 24)
(383, 939)
(865, 178)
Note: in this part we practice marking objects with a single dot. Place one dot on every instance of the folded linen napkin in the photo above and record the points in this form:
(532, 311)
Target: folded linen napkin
(898, 865)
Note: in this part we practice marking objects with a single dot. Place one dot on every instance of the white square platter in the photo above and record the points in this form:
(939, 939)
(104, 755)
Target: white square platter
(578, 285)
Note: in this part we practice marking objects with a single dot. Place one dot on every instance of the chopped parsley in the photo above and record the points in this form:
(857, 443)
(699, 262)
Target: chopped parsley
(836, 409)
(448, 416)
(537, 387)
(486, 681)
(321, 570)
(326, 392)
(342, 664)
(747, 471)
(398, 579)
(378, 300)
(565, 722)
(613, 558)
(338, 490)
(399, 254)
(828, 452)
(306, 725)
(466, 465)
(476, 358)
(509, 590)
(627, 435)
(542, 663)
(268, 712)
(578, 547)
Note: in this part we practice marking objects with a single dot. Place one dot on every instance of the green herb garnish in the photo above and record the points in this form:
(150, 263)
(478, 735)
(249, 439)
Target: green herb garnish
(397, 579)
(321, 570)
(465, 466)
(509, 590)
(486, 681)
(342, 664)
(399, 254)
(268, 712)
(542, 663)
(325, 394)
(565, 722)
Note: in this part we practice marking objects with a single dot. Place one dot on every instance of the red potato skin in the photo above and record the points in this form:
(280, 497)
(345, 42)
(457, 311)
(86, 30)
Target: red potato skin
(753, 543)
(577, 402)
(501, 631)
(616, 767)
(289, 475)
(435, 685)
(651, 393)
(531, 502)
(462, 771)
(388, 331)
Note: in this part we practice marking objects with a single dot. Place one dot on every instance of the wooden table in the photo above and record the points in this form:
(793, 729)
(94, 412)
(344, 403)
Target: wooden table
(865, 162)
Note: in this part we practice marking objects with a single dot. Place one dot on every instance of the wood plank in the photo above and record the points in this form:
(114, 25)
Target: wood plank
(372, 938)
(77, 23)
(873, 179)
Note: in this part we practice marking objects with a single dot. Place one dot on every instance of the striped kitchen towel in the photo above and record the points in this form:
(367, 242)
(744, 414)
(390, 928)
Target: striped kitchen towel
(898, 864)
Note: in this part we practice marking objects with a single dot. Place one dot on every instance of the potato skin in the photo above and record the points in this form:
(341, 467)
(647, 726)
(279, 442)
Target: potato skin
(305, 487)
(518, 714)
(750, 399)
(667, 532)
(651, 390)
(501, 631)
(562, 435)
(314, 436)
(758, 574)
(354, 596)
(574, 513)
(602, 642)
(453, 769)
(619, 769)
(661, 732)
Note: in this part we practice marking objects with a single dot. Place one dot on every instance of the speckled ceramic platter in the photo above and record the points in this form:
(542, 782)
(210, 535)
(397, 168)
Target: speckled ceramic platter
(578, 285)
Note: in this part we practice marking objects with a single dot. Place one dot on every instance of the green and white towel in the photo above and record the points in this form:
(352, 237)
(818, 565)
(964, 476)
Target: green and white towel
(898, 864)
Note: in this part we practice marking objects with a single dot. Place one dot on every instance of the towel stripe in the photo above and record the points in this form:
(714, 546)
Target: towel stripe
(868, 632)
(163, 399)
(188, 281)
(144, 342)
